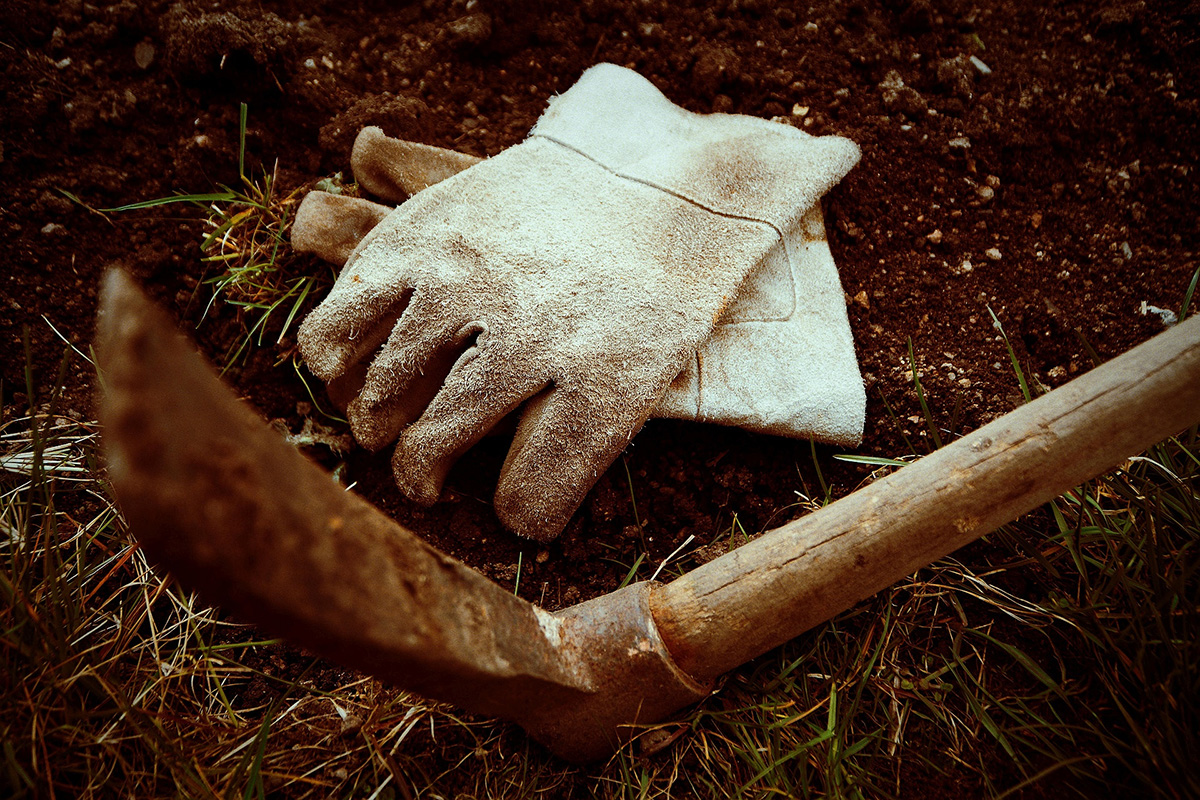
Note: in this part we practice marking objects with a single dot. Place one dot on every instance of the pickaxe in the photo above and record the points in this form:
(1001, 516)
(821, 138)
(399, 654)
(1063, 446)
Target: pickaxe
(220, 500)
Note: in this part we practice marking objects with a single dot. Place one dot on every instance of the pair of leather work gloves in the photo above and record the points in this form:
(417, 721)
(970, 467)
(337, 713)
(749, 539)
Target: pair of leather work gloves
(629, 259)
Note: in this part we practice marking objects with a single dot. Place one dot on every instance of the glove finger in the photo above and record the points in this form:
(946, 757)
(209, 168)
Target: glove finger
(396, 169)
(564, 442)
(350, 324)
(480, 391)
(409, 370)
(332, 225)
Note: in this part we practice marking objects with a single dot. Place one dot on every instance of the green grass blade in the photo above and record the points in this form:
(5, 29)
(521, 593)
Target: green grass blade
(1025, 661)
(1187, 296)
(254, 781)
(637, 520)
(243, 113)
(875, 461)
(629, 576)
(1012, 356)
(75, 199)
(199, 199)
(934, 435)
(1087, 347)
(826, 492)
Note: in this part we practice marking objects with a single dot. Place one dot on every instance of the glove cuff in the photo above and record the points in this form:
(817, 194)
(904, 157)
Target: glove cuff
(732, 164)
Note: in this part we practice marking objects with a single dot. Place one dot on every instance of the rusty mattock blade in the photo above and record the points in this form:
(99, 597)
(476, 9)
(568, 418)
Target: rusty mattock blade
(234, 512)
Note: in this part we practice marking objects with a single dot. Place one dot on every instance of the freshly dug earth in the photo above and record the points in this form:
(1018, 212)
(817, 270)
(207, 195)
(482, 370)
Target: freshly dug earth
(1028, 160)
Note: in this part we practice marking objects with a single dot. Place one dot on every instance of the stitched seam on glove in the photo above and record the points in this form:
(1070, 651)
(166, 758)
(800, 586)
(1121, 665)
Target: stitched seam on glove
(653, 185)
(747, 164)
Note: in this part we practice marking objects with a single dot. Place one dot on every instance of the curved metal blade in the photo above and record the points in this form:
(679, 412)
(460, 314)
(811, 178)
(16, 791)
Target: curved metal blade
(236, 513)
(239, 515)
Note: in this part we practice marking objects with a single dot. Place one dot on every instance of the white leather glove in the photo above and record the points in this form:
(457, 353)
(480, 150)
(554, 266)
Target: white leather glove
(572, 276)
(781, 360)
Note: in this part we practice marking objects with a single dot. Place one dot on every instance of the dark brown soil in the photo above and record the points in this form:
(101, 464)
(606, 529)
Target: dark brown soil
(1058, 191)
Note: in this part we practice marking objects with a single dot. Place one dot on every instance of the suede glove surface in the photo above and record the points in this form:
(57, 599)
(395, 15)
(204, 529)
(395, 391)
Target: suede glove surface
(571, 277)
(781, 360)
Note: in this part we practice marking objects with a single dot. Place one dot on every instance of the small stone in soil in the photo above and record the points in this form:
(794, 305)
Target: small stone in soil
(473, 29)
(898, 96)
(143, 54)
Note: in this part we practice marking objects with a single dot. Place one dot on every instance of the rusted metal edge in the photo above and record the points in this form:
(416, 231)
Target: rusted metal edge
(234, 512)
(635, 681)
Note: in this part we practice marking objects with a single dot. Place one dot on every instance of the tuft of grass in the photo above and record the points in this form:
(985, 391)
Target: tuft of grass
(246, 240)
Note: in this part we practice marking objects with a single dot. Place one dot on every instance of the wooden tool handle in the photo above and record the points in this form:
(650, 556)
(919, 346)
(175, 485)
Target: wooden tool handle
(797, 576)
